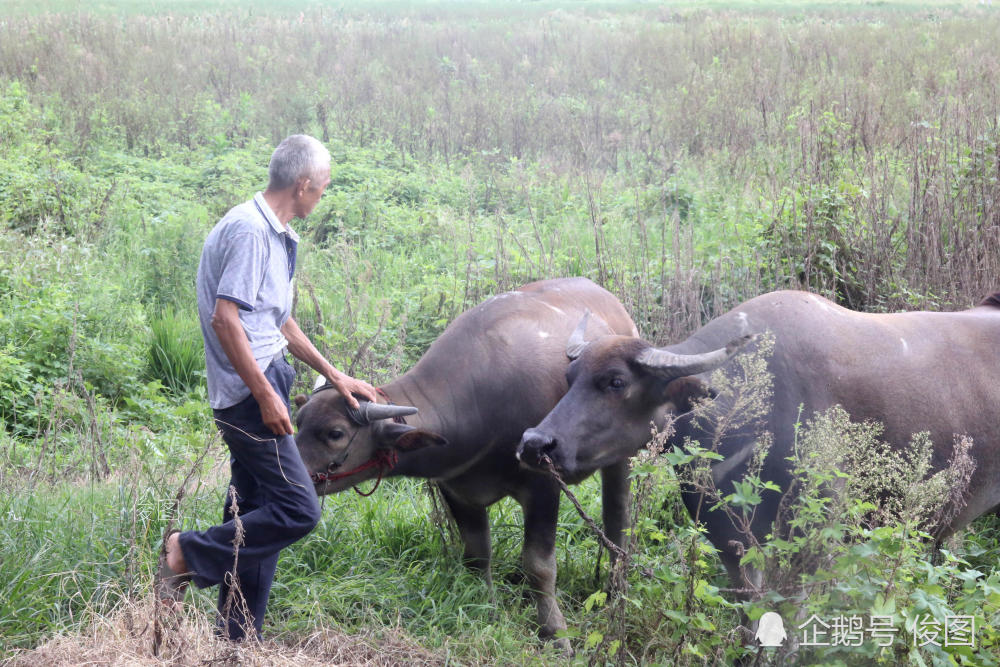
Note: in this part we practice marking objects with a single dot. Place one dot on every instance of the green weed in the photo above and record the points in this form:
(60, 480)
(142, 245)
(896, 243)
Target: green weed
(176, 351)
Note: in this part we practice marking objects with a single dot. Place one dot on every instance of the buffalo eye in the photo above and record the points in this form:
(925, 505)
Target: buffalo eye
(615, 383)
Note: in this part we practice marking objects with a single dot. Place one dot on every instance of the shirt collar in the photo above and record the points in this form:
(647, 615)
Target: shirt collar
(272, 219)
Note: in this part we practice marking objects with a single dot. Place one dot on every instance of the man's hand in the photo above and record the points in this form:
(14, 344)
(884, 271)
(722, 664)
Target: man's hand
(347, 386)
(274, 412)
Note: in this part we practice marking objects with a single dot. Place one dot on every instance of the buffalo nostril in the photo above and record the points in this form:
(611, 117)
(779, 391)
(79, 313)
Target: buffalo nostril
(536, 444)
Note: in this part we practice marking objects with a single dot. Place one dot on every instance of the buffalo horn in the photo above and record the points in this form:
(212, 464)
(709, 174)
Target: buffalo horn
(576, 343)
(671, 365)
(368, 412)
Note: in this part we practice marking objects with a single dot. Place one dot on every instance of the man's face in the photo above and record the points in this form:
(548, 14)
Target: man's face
(309, 192)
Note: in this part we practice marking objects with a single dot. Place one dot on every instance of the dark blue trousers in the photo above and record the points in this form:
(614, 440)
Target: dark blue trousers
(277, 506)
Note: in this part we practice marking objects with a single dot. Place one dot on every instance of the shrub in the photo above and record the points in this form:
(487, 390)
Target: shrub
(851, 547)
(67, 320)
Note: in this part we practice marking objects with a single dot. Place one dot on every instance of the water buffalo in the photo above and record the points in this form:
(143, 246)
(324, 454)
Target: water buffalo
(914, 372)
(495, 371)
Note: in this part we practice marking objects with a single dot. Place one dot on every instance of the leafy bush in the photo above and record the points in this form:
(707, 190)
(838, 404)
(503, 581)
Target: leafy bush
(15, 386)
(67, 320)
(853, 541)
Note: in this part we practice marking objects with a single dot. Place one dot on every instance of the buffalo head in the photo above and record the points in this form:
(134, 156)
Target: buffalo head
(617, 386)
(341, 446)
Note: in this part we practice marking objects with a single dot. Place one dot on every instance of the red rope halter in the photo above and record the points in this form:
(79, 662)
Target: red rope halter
(384, 459)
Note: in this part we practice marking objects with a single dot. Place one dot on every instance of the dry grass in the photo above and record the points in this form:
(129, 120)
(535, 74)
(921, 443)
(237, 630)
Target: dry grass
(126, 638)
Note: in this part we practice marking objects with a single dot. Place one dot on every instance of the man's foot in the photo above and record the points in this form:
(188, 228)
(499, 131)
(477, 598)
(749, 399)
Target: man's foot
(172, 577)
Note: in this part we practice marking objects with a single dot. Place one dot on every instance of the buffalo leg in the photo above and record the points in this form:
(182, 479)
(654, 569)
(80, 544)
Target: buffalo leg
(541, 509)
(474, 528)
(614, 502)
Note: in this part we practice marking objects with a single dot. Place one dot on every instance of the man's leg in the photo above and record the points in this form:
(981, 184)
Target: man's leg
(278, 506)
(286, 512)
(243, 613)
(242, 606)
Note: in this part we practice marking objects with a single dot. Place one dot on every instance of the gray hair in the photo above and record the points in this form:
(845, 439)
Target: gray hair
(298, 156)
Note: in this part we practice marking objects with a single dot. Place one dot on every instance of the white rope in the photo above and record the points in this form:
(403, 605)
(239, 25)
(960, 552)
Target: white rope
(277, 452)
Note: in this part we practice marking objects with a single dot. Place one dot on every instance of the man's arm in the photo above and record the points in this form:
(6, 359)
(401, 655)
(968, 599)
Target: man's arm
(236, 345)
(302, 348)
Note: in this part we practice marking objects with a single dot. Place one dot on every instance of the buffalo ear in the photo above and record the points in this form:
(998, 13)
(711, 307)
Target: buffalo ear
(418, 439)
(301, 399)
(685, 392)
(404, 438)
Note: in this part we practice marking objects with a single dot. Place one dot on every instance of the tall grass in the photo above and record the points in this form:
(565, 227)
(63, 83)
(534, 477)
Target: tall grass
(176, 351)
(679, 155)
(71, 557)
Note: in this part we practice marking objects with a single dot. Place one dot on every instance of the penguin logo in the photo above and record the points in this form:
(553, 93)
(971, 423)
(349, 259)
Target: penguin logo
(771, 630)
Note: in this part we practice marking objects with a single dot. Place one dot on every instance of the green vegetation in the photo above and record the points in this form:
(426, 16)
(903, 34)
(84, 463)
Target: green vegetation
(686, 156)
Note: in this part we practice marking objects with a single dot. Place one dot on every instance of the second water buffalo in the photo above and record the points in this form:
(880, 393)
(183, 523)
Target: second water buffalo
(934, 372)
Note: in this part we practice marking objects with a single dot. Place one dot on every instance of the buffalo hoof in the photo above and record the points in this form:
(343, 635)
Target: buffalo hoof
(563, 645)
(516, 578)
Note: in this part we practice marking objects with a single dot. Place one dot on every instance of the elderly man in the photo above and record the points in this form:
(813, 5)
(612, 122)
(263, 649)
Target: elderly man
(244, 302)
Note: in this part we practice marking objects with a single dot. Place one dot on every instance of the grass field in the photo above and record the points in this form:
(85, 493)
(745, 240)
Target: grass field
(684, 155)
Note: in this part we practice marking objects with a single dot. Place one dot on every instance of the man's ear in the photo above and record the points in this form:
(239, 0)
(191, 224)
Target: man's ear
(302, 186)
(300, 400)
(685, 392)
